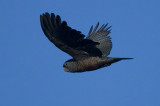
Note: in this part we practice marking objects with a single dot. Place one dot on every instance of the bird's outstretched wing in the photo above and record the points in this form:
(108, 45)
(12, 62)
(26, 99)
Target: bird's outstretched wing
(101, 36)
(67, 39)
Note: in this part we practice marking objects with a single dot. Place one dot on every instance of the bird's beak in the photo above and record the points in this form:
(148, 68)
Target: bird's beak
(66, 69)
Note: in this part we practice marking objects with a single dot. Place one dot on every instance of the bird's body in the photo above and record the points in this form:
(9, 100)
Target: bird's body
(91, 63)
(88, 54)
(87, 64)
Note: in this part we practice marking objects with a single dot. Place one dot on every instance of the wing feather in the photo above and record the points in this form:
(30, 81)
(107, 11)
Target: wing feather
(101, 36)
(67, 39)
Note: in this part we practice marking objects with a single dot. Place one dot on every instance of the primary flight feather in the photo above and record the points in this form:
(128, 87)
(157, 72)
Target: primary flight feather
(88, 54)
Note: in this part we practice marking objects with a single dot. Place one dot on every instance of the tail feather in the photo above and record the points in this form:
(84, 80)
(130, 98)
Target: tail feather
(111, 60)
(125, 58)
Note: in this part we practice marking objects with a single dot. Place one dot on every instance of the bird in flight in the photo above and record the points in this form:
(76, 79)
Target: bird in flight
(88, 53)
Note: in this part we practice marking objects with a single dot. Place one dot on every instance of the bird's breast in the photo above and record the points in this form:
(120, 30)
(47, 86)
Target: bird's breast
(91, 63)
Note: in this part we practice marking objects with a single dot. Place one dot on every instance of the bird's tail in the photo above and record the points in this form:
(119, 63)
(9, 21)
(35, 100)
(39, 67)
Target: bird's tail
(111, 60)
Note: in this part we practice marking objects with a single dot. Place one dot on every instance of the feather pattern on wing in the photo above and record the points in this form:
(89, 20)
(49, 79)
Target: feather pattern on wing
(67, 39)
(101, 36)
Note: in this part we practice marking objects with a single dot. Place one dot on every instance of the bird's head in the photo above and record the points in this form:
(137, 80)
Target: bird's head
(70, 66)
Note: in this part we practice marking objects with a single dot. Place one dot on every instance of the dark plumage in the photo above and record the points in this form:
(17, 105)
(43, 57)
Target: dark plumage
(88, 54)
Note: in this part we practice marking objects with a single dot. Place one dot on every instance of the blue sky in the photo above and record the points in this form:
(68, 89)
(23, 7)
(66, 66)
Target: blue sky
(31, 72)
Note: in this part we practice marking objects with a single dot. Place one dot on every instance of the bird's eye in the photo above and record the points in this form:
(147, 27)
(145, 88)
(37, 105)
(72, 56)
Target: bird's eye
(65, 65)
